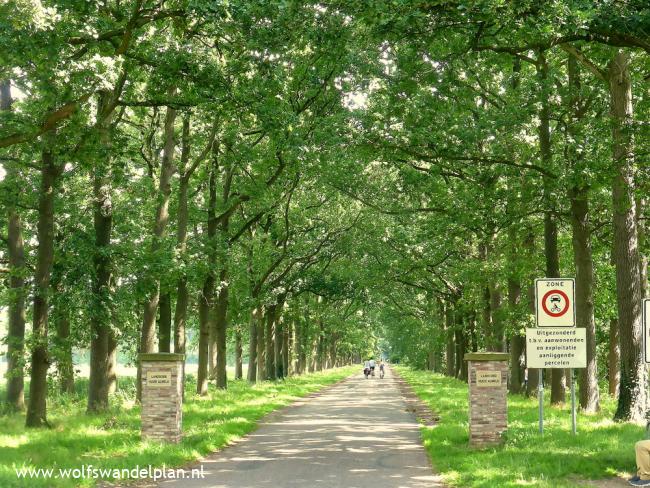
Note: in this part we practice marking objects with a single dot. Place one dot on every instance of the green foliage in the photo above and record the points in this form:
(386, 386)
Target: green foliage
(377, 170)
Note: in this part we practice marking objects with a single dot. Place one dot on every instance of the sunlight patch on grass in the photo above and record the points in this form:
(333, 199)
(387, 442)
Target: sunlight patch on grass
(521, 482)
(13, 441)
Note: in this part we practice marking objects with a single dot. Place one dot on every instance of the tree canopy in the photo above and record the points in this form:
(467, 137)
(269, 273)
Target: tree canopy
(297, 185)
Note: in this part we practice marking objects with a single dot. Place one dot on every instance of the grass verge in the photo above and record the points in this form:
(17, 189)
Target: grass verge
(602, 448)
(112, 440)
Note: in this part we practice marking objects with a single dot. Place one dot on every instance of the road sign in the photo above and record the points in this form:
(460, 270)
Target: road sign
(646, 329)
(554, 302)
(556, 348)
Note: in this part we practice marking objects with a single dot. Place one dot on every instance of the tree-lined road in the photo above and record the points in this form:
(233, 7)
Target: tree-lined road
(356, 434)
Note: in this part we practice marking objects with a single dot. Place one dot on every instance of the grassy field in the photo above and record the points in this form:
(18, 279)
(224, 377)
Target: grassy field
(112, 440)
(601, 449)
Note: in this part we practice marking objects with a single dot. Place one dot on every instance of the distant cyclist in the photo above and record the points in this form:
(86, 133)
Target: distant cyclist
(372, 367)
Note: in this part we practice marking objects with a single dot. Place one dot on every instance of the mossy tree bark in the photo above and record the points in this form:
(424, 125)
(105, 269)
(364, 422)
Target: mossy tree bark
(633, 396)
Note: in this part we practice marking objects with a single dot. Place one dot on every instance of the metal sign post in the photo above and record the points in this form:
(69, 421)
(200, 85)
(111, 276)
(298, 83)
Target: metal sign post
(540, 396)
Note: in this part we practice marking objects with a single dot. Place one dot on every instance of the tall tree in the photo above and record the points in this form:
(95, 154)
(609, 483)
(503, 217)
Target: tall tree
(50, 172)
(161, 220)
(16, 250)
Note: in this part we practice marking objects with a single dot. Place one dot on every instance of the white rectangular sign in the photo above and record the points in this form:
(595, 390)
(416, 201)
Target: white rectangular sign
(646, 329)
(554, 302)
(556, 348)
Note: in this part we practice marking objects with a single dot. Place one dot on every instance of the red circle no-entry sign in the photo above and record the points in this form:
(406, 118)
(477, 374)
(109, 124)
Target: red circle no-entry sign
(555, 303)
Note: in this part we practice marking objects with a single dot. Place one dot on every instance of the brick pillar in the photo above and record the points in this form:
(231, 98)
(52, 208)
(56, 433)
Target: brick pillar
(488, 404)
(162, 397)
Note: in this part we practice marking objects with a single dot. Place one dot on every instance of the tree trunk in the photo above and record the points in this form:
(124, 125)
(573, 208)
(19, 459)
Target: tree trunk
(16, 327)
(461, 348)
(206, 299)
(101, 313)
(252, 346)
(261, 346)
(320, 346)
(516, 381)
(270, 342)
(180, 316)
(550, 225)
(239, 373)
(16, 253)
(582, 253)
(498, 337)
(613, 359)
(517, 341)
(486, 302)
(553, 271)
(64, 364)
(180, 322)
(221, 325)
(314, 355)
(147, 336)
(165, 323)
(449, 332)
(298, 341)
(533, 382)
(286, 351)
(278, 339)
(533, 374)
(111, 370)
(277, 346)
(303, 343)
(472, 332)
(205, 305)
(632, 399)
(182, 292)
(212, 347)
(641, 205)
(37, 406)
(582, 256)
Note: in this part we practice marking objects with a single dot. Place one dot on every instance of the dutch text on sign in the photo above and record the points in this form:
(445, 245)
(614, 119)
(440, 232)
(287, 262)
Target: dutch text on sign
(554, 302)
(159, 378)
(488, 378)
(556, 348)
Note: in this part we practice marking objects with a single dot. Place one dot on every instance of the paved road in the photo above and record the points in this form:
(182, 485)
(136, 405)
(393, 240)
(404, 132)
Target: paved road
(357, 434)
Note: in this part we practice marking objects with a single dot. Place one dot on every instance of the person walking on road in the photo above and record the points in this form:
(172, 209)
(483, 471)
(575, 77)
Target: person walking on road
(642, 451)
(372, 366)
(366, 369)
